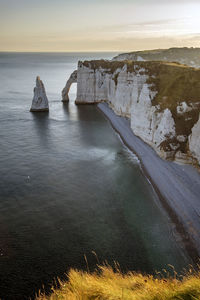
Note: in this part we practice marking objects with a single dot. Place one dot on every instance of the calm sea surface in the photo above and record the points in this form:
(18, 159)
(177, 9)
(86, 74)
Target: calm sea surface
(68, 186)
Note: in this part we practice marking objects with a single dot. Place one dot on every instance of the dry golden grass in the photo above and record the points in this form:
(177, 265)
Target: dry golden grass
(107, 284)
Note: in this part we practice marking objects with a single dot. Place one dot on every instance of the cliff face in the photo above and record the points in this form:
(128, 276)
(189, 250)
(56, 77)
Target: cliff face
(91, 85)
(162, 101)
(188, 56)
(194, 141)
(99, 81)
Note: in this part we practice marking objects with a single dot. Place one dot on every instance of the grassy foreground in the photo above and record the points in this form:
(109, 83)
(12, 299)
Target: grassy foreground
(105, 284)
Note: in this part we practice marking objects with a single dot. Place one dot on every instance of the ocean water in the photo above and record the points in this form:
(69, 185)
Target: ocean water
(68, 186)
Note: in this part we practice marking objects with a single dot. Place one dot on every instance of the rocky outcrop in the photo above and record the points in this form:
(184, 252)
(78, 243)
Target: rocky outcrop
(154, 127)
(91, 85)
(107, 82)
(40, 101)
(194, 141)
(188, 56)
(65, 91)
(162, 101)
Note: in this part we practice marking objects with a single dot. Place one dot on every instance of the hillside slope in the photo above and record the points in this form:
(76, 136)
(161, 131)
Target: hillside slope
(188, 56)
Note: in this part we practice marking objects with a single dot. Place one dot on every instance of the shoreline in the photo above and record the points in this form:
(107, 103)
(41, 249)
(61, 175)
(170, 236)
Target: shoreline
(177, 186)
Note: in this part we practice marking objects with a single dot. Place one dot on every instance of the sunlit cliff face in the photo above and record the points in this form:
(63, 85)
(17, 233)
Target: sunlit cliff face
(66, 25)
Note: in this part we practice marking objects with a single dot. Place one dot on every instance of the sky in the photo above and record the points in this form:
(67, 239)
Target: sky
(98, 25)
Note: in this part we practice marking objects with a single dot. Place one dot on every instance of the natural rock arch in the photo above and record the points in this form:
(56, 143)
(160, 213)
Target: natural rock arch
(65, 91)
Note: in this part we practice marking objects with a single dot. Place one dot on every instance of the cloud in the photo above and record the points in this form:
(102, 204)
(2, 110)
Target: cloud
(146, 24)
(159, 22)
(150, 28)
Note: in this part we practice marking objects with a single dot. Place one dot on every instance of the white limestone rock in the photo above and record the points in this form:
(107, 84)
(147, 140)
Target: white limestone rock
(117, 88)
(183, 158)
(194, 141)
(128, 56)
(125, 89)
(165, 127)
(130, 95)
(91, 85)
(140, 58)
(151, 125)
(40, 101)
(121, 57)
(174, 146)
(183, 108)
(181, 138)
(65, 91)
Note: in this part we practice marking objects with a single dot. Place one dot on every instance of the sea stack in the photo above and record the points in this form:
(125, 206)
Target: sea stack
(40, 101)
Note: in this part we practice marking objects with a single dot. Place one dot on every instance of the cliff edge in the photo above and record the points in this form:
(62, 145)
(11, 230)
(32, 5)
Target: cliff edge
(161, 99)
(184, 55)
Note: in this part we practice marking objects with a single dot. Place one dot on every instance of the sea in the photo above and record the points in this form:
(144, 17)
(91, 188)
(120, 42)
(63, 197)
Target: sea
(71, 194)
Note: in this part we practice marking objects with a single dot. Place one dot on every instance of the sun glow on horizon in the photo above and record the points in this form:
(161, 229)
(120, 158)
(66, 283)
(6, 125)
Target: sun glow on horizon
(67, 26)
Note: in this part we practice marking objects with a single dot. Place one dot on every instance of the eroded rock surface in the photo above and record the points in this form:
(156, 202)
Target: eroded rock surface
(40, 100)
(194, 141)
(65, 91)
(162, 101)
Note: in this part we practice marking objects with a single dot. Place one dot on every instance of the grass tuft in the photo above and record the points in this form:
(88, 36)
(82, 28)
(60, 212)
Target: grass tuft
(109, 284)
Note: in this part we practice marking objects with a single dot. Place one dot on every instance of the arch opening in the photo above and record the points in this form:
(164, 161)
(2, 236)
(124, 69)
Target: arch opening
(65, 92)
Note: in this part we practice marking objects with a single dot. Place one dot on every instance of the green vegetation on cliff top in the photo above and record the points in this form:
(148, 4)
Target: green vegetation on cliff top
(171, 50)
(105, 284)
(173, 83)
(190, 56)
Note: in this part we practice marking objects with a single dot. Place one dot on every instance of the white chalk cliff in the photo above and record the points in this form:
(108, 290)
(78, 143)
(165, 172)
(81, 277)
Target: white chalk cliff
(194, 140)
(91, 85)
(65, 91)
(135, 91)
(40, 101)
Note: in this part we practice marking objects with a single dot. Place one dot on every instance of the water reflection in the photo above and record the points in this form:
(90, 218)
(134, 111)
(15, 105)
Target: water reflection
(65, 108)
(41, 125)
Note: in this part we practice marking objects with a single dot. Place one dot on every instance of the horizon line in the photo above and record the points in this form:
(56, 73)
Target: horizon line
(71, 51)
(92, 51)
